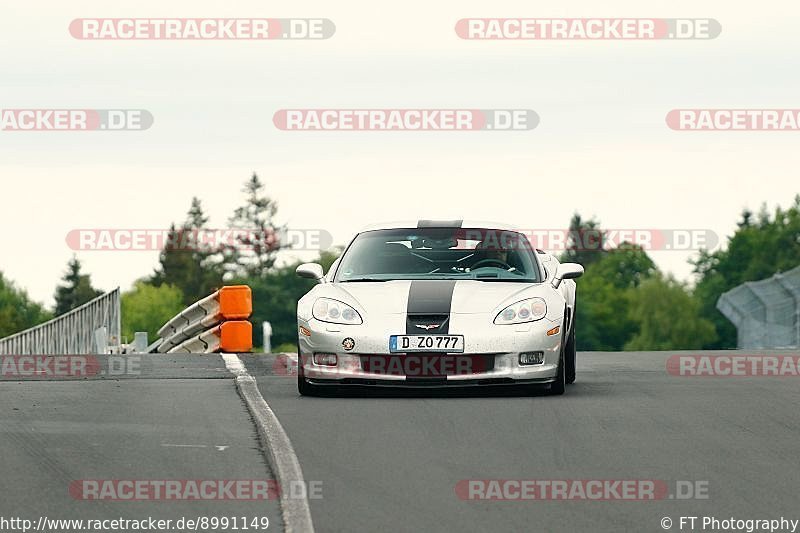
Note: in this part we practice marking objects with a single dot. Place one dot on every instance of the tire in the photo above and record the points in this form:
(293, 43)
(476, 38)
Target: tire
(304, 387)
(558, 386)
(570, 357)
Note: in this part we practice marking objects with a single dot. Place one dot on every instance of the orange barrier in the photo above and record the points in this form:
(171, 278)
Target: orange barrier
(236, 336)
(214, 323)
(235, 302)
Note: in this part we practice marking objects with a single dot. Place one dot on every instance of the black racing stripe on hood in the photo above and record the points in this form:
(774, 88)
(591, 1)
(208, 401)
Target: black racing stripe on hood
(429, 302)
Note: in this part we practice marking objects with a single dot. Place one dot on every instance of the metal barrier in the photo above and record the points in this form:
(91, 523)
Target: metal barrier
(766, 313)
(215, 323)
(79, 331)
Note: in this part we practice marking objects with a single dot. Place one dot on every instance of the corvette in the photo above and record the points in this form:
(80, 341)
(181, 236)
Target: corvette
(438, 304)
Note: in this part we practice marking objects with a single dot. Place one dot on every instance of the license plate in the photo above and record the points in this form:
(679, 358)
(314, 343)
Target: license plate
(426, 343)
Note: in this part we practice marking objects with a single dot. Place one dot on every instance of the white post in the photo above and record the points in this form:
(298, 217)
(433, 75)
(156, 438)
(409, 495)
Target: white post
(266, 328)
(140, 341)
(101, 340)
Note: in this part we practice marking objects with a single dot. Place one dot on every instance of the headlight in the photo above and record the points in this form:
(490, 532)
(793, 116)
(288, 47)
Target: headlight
(329, 310)
(525, 311)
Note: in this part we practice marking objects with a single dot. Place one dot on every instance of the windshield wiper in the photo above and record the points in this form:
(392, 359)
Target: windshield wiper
(356, 280)
(511, 280)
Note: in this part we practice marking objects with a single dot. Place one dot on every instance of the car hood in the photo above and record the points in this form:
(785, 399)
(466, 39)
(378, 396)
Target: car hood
(435, 296)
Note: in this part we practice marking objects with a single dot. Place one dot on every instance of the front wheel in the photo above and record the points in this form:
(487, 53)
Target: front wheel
(304, 387)
(558, 386)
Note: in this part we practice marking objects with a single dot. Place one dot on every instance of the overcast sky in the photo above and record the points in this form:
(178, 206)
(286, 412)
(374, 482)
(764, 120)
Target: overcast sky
(602, 147)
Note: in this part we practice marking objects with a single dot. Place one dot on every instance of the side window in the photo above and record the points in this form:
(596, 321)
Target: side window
(549, 264)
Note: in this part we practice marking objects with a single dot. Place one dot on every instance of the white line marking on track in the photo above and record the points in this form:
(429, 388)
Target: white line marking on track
(280, 453)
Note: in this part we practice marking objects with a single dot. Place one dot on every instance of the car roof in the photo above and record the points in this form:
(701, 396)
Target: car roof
(426, 223)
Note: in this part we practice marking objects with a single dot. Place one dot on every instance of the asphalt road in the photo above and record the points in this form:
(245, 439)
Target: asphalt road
(392, 463)
(173, 418)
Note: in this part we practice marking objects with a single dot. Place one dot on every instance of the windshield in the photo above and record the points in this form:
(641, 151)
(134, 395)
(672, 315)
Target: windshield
(439, 253)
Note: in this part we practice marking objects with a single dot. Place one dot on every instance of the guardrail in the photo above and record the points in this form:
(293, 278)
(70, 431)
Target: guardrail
(766, 313)
(215, 323)
(87, 329)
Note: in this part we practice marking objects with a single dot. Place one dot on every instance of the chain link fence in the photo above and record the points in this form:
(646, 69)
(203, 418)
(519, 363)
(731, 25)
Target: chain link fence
(766, 313)
(71, 333)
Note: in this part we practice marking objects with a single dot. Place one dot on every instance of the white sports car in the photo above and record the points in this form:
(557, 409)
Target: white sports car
(438, 303)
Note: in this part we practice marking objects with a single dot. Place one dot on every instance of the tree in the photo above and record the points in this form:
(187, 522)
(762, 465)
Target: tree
(604, 292)
(147, 308)
(601, 318)
(667, 317)
(327, 257)
(17, 311)
(76, 289)
(625, 266)
(187, 261)
(275, 296)
(585, 241)
(196, 217)
(254, 252)
(757, 250)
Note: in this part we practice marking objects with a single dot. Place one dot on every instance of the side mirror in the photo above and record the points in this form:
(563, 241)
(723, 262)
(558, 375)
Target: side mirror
(567, 271)
(310, 271)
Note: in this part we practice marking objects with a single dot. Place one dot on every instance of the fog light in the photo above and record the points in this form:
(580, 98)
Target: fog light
(326, 359)
(531, 358)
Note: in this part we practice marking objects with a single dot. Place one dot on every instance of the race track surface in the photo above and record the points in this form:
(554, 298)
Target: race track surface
(175, 418)
(400, 462)
(392, 463)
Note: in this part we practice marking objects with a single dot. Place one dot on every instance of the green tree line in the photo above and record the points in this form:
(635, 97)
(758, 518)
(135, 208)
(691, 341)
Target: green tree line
(624, 301)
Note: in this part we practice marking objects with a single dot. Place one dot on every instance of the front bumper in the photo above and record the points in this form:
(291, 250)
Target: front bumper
(491, 356)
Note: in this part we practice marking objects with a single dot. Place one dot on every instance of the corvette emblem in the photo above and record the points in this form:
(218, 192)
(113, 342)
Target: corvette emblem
(427, 326)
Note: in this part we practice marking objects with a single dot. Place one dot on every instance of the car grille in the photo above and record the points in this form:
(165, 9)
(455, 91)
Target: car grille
(414, 321)
(427, 365)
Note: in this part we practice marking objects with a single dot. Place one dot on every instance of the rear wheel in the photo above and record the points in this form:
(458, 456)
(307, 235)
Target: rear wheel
(570, 355)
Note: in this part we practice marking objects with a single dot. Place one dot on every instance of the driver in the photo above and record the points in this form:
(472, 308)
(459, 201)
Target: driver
(490, 253)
